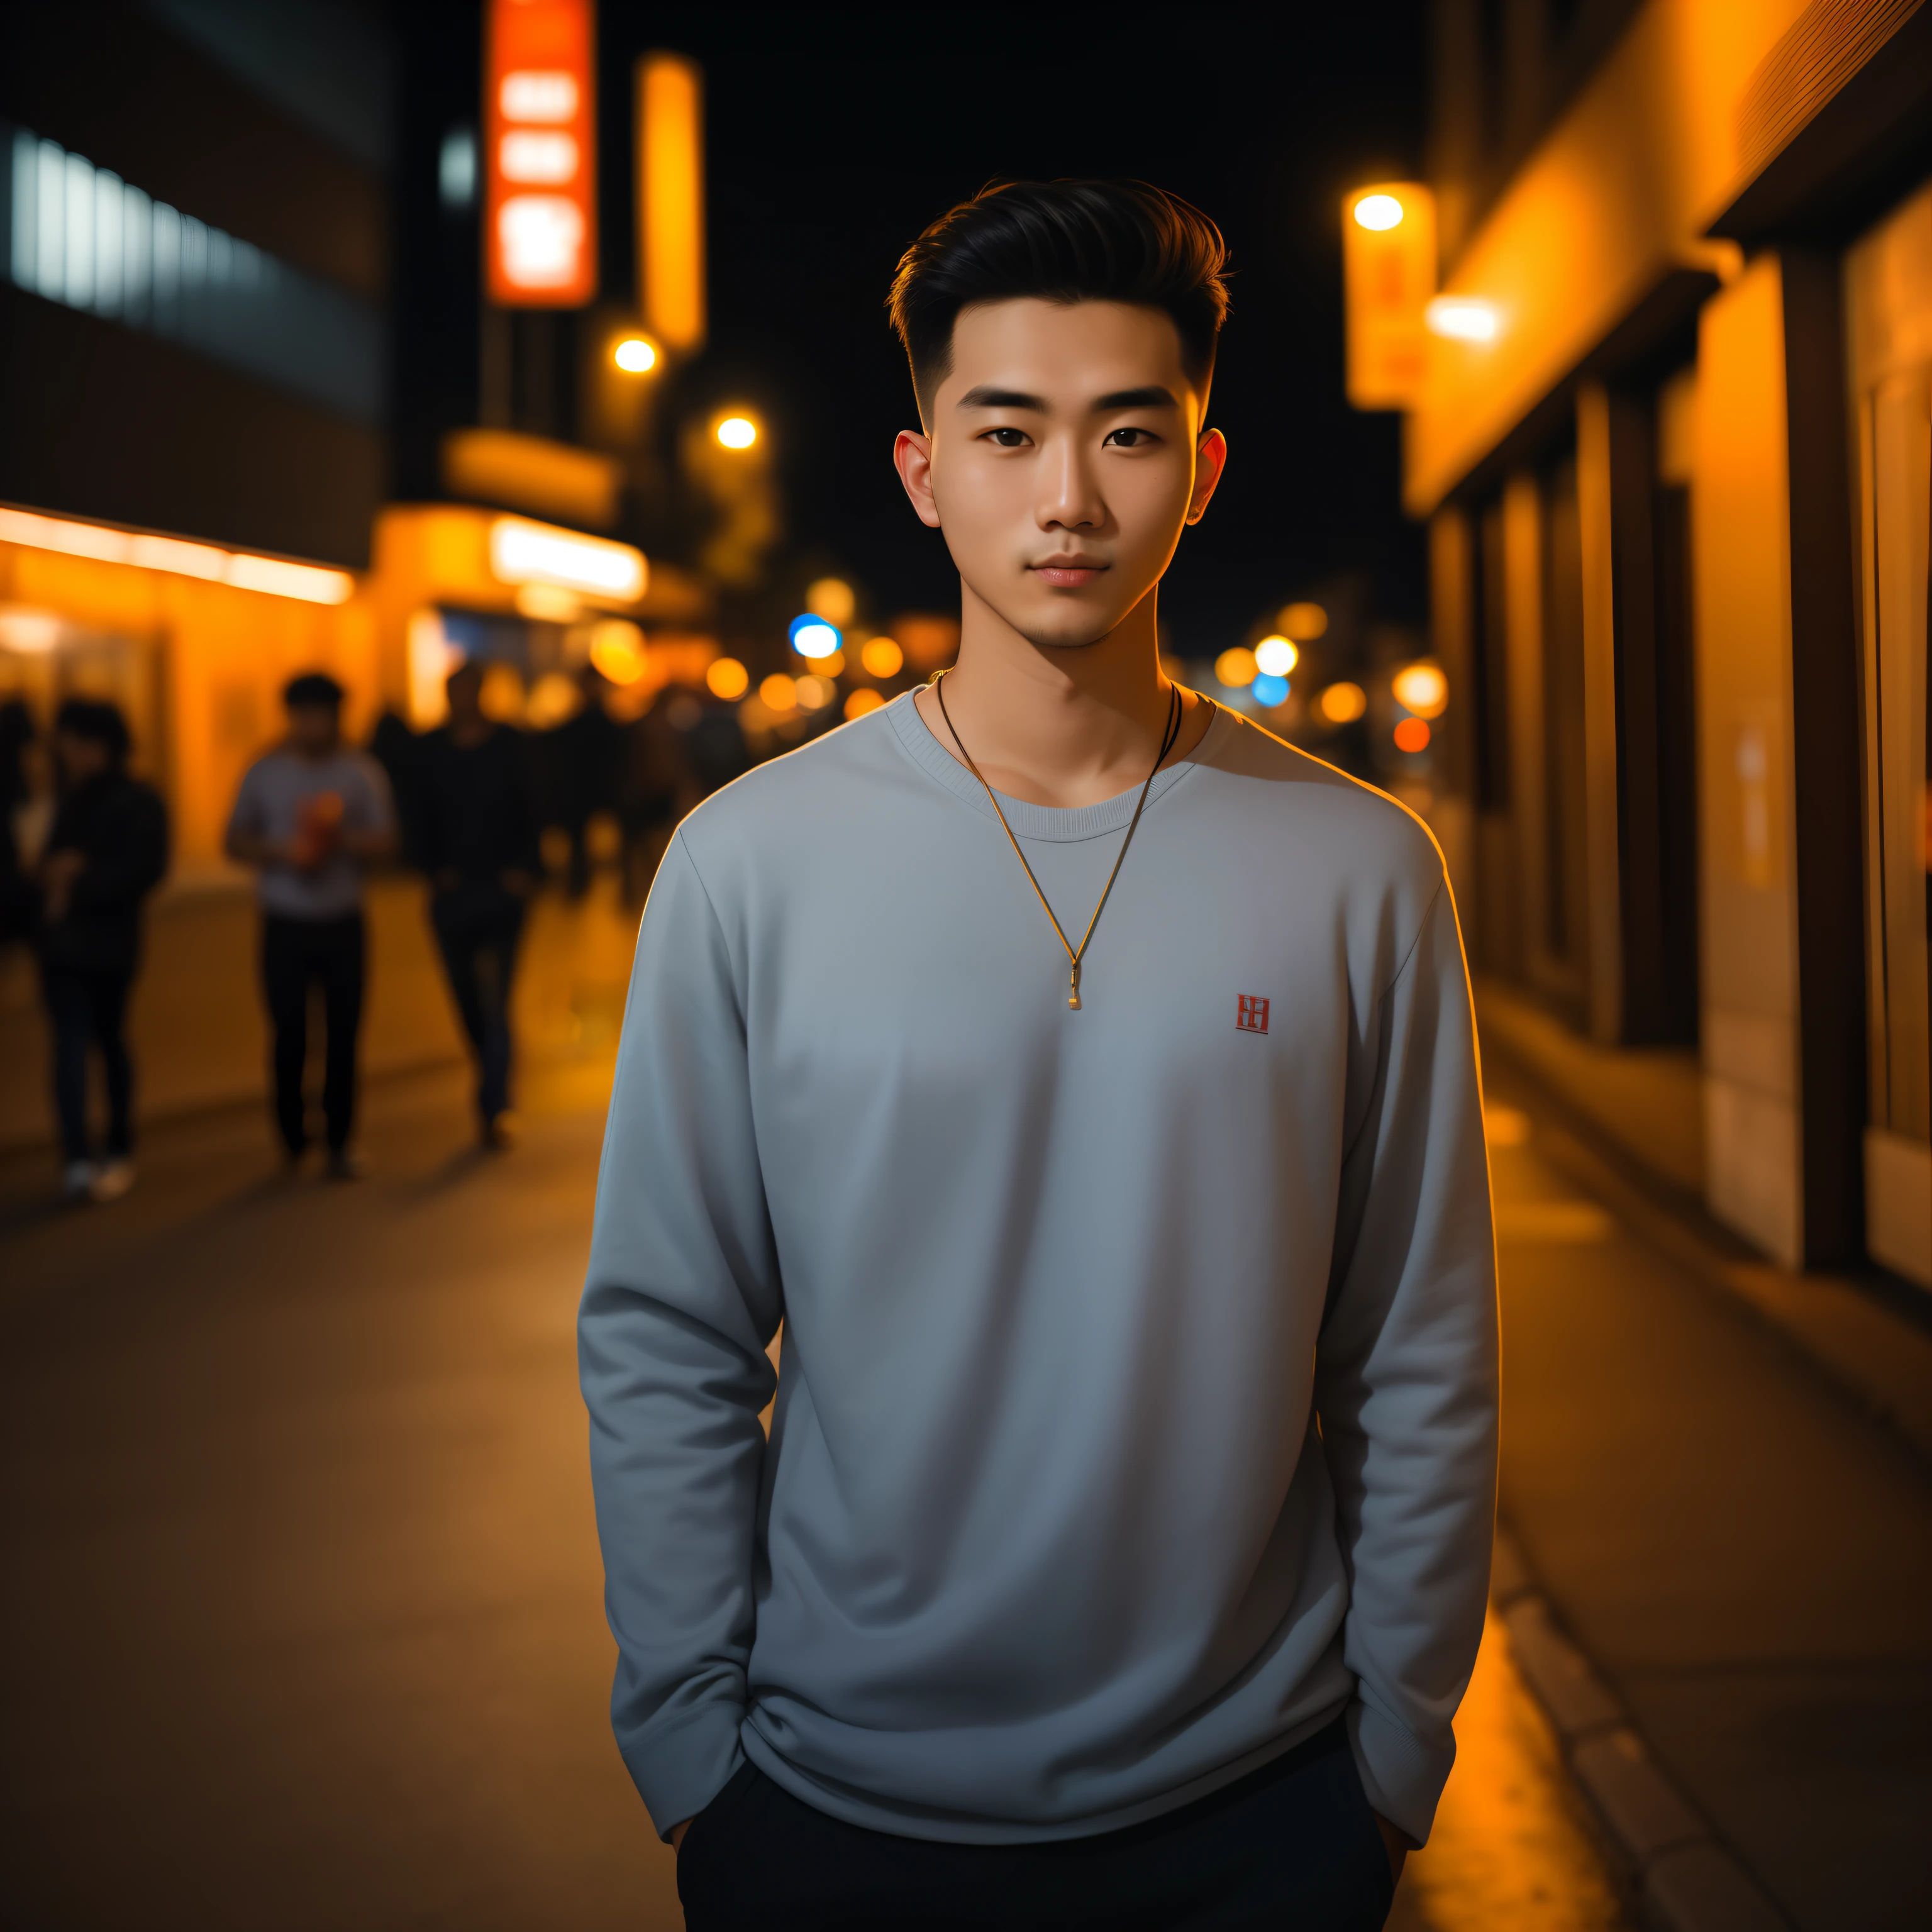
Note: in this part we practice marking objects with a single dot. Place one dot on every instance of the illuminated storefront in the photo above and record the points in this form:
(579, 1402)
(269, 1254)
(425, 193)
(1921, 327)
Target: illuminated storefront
(1670, 433)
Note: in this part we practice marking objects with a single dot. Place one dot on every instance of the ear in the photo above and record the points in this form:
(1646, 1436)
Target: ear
(912, 456)
(1208, 465)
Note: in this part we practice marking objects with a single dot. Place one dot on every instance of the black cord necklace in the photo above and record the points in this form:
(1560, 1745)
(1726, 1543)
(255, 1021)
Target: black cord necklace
(1075, 954)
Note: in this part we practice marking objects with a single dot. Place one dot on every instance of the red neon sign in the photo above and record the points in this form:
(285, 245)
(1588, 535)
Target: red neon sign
(540, 153)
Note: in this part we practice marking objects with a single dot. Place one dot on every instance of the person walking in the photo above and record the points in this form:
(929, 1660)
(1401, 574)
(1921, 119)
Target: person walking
(311, 817)
(475, 833)
(108, 849)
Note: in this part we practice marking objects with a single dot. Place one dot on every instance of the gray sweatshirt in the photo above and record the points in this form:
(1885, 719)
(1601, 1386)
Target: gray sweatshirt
(1138, 1409)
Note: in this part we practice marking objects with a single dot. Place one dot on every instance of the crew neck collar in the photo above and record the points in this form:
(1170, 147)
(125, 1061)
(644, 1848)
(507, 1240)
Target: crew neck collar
(1052, 823)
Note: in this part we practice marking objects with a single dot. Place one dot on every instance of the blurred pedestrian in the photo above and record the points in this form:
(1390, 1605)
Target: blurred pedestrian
(580, 762)
(107, 849)
(26, 816)
(654, 790)
(715, 750)
(312, 816)
(475, 835)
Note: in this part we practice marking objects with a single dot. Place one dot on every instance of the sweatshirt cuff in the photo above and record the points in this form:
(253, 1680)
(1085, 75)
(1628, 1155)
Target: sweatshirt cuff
(1401, 1777)
(679, 1769)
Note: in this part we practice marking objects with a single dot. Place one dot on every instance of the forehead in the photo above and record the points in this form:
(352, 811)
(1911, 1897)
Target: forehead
(1071, 349)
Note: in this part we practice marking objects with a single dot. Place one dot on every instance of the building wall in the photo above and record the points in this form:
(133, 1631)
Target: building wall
(1741, 525)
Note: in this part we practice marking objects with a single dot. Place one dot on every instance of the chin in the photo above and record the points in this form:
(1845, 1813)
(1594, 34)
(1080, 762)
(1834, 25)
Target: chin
(1063, 629)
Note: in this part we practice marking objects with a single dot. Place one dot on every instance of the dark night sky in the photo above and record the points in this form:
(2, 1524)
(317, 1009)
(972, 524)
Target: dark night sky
(835, 135)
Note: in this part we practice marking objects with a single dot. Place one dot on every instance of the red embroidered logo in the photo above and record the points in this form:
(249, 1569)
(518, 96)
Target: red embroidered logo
(1251, 1013)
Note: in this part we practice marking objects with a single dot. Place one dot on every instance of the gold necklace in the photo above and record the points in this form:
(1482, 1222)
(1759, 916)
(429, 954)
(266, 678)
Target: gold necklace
(1074, 953)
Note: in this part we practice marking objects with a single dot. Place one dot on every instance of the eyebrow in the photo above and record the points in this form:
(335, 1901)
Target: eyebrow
(989, 396)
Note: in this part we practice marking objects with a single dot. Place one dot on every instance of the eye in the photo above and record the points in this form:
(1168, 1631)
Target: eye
(1129, 438)
(1005, 439)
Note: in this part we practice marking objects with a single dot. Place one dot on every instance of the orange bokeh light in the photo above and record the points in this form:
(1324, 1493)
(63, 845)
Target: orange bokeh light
(728, 678)
(1412, 735)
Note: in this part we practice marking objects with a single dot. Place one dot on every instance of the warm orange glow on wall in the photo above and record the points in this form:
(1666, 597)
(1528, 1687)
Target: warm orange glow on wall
(1388, 267)
(540, 153)
(671, 198)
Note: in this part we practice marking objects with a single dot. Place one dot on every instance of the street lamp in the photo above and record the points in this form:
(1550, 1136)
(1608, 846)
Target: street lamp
(635, 355)
(737, 432)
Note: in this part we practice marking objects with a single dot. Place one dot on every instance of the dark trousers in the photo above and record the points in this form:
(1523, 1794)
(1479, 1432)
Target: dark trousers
(297, 954)
(1294, 1844)
(478, 935)
(87, 1007)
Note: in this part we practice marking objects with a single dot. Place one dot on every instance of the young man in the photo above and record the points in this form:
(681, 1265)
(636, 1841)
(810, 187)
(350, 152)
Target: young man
(312, 815)
(1118, 1556)
(107, 850)
(475, 835)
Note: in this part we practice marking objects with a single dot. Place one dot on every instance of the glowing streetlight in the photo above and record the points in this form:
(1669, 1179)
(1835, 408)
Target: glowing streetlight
(778, 692)
(862, 701)
(1276, 657)
(1302, 622)
(634, 355)
(1462, 319)
(1421, 688)
(1378, 211)
(737, 432)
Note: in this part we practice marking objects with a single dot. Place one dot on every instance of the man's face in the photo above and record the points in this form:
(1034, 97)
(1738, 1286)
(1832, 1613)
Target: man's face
(312, 728)
(1064, 458)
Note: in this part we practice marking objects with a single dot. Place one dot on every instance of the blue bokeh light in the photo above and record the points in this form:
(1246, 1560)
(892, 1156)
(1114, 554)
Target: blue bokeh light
(812, 637)
(1270, 691)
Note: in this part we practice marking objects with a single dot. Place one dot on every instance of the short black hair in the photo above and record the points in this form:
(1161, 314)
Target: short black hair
(1062, 242)
(313, 687)
(99, 720)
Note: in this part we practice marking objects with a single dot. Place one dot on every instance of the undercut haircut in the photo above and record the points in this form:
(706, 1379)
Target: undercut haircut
(1061, 241)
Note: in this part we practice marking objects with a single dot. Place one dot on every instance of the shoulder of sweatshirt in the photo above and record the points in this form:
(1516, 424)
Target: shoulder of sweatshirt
(842, 769)
(1274, 794)
(1279, 787)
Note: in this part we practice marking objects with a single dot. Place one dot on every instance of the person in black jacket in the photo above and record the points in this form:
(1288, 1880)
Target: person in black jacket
(476, 830)
(108, 850)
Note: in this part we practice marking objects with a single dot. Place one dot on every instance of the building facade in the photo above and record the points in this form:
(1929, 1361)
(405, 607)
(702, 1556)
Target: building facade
(1679, 490)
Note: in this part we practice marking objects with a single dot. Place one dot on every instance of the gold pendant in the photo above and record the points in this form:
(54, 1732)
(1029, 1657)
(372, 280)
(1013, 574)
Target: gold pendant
(1073, 987)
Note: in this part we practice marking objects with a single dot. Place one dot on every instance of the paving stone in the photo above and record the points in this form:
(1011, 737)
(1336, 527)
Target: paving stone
(1640, 1805)
(1701, 1888)
(1571, 1691)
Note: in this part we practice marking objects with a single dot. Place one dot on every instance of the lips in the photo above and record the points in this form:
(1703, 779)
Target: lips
(1068, 574)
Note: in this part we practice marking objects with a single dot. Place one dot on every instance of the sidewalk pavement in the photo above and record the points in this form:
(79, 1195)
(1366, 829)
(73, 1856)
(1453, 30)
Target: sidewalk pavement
(1717, 1502)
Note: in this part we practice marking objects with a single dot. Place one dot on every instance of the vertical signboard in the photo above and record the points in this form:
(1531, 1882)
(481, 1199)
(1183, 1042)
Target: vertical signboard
(1388, 266)
(540, 154)
(670, 200)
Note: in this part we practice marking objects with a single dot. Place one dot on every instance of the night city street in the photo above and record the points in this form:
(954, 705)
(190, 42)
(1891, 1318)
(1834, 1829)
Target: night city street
(1296, 1290)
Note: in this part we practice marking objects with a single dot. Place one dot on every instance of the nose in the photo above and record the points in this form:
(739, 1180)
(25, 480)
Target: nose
(1069, 495)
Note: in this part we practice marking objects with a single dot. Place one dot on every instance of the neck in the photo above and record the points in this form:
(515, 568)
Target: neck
(1056, 725)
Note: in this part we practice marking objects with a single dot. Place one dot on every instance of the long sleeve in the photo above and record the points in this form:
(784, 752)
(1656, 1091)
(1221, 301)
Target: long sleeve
(681, 1297)
(1406, 1376)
